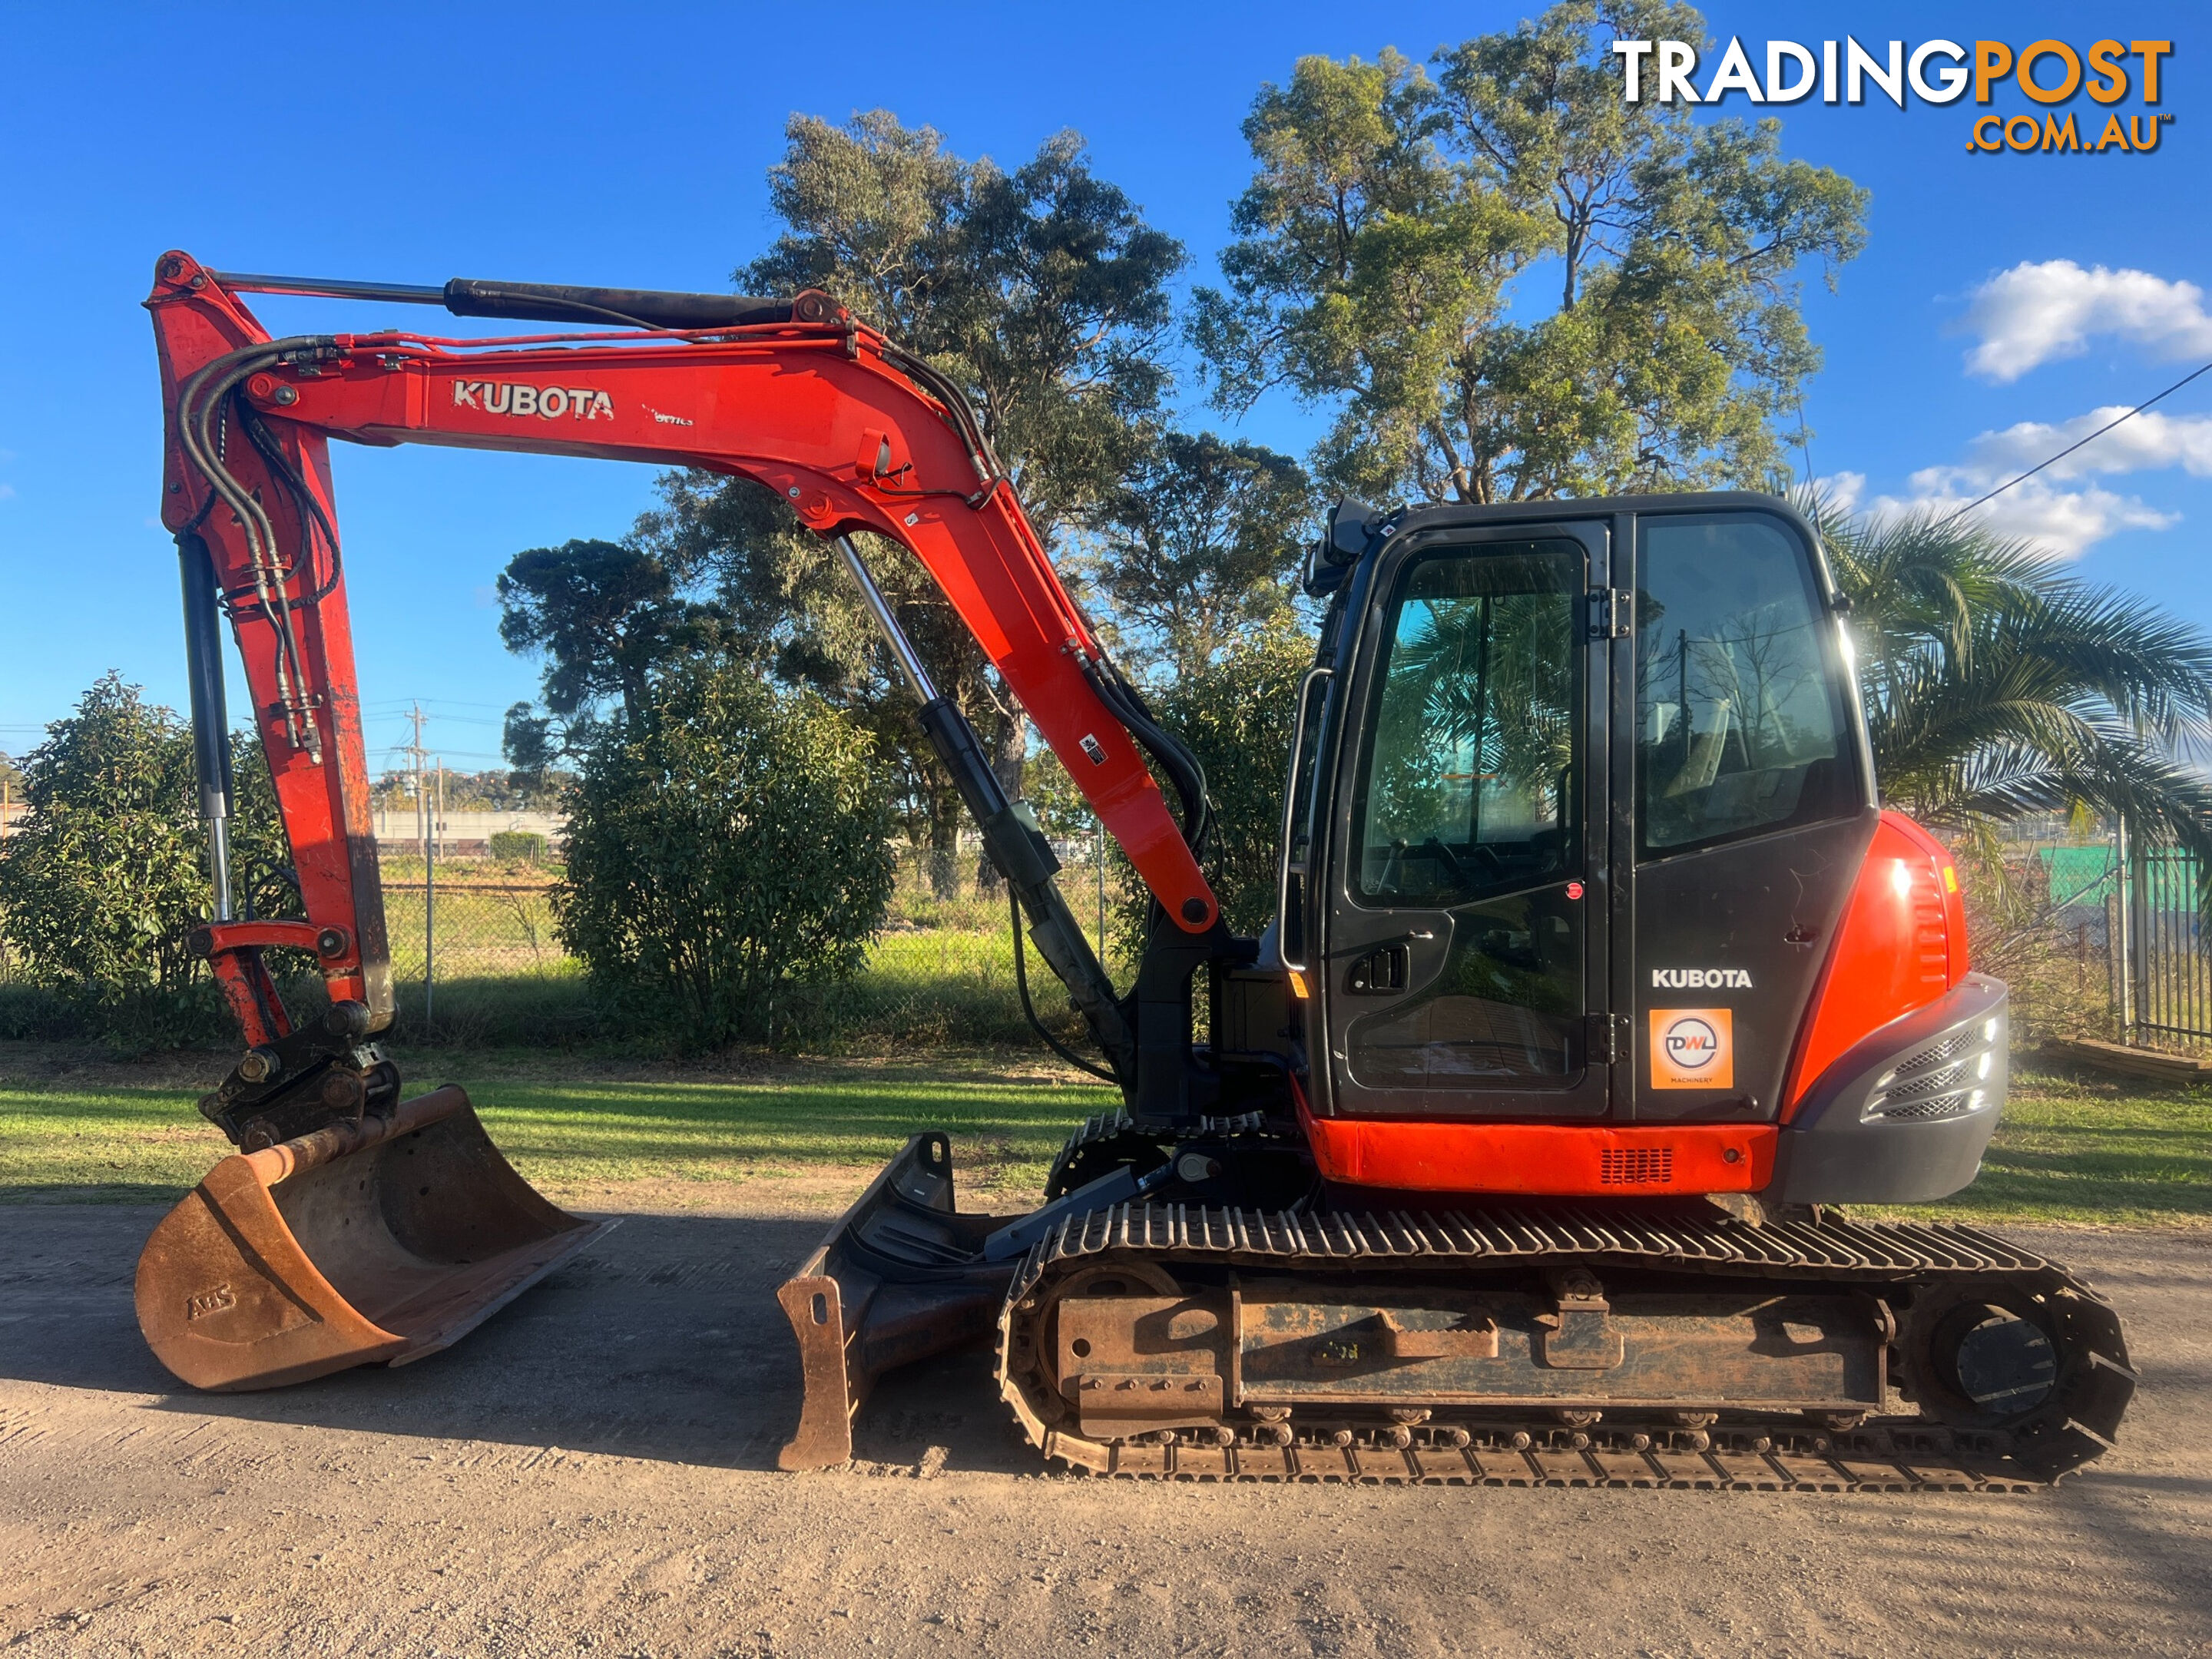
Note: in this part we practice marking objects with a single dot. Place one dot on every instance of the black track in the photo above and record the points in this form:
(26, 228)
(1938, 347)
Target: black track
(1948, 1444)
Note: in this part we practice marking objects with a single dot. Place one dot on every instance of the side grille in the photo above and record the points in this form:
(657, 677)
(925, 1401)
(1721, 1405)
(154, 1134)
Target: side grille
(1944, 1077)
(1956, 1105)
(1637, 1166)
(1950, 1048)
(1938, 1080)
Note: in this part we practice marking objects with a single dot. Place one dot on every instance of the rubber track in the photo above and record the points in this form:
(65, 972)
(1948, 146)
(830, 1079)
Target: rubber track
(1885, 1454)
(1677, 1237)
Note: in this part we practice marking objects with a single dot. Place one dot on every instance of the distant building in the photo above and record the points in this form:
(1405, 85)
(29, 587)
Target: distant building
(464, 834)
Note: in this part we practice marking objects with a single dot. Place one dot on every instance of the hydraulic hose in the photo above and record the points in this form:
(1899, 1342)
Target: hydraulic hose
(1029, 1008)
(1184, 773)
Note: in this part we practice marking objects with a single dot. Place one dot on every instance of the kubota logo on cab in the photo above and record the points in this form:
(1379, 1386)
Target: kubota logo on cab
(1692, 1048)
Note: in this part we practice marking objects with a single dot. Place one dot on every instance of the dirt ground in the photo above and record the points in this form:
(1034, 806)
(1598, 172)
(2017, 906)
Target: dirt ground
(593, 1473)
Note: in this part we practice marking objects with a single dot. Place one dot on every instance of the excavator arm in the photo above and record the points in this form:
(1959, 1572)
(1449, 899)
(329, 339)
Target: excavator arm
(796, 395)
(353, 1226)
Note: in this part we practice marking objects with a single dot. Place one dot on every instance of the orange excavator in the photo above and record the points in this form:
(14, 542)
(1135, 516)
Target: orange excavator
(1512, 1151)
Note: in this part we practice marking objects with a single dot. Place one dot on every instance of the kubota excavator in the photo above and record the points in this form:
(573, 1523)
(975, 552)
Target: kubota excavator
(1599, 978)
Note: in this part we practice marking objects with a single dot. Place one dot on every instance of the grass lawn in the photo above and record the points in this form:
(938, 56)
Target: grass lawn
(2082, 1150)
(2086, 1148)
(85, 1135)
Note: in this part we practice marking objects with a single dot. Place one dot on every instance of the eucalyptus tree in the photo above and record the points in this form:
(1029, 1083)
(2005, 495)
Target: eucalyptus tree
(1041, 291)
(1508, 282)
(1197, 549)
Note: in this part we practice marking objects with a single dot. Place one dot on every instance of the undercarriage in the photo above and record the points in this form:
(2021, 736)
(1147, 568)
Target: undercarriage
(1633, 1343)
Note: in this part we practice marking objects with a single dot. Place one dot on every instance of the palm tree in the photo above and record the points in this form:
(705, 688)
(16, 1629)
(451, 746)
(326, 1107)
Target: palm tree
(1997, 685)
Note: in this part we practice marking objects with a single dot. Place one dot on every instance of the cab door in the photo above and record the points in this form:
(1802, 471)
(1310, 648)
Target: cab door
(1752, 804)
(1465, 951)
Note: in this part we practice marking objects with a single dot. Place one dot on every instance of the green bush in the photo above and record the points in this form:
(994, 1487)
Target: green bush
(1236, 714)
(727, 858)
(105, 873)
(517, 847)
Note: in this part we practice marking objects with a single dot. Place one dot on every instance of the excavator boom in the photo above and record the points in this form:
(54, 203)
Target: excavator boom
(794, 394)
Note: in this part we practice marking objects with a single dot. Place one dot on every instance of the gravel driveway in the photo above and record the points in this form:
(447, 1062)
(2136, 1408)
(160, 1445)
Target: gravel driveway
(593, 1473)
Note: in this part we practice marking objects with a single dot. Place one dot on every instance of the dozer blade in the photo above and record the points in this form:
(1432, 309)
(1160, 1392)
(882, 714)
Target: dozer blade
(384, 1240)
(902, 1277)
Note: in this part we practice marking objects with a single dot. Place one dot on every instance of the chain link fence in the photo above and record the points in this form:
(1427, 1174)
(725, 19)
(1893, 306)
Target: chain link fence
(2097, 937)
(476, 957)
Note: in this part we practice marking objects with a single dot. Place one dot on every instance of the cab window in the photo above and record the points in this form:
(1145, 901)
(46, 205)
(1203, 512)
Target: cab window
(1739, 724)
(1469, 784)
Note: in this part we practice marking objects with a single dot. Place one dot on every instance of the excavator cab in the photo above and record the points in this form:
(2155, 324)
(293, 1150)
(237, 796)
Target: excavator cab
(1588, 836)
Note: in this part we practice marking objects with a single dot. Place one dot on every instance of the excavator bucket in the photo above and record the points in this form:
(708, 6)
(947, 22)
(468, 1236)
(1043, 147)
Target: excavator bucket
(383, 1240)
(902, 1277)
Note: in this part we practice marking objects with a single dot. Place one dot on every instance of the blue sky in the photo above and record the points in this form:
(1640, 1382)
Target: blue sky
(570, 143)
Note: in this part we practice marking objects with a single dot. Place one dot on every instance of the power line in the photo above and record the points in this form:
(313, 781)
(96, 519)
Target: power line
(2071, 447)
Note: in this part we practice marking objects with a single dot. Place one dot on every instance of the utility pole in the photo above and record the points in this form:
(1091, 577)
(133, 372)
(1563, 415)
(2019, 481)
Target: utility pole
(425, 824)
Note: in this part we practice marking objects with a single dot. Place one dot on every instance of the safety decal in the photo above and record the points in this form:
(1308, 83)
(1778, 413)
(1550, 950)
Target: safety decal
(1692, 1048)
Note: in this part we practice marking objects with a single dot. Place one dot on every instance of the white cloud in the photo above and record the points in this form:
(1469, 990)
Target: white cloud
(2032, 314)
(2035, 312)
(1841, 490)
(2148, 442)
(2062, 523)
(2041, 510)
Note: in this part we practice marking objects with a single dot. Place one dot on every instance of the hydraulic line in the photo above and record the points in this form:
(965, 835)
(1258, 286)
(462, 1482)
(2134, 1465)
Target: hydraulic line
(194, 402)
(1029, 1008)
(1175, 759)
(201, 398)
(310, 510)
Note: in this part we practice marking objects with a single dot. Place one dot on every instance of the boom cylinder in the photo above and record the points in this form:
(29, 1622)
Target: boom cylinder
(1011, 837)
(210, 713)
(552, 302)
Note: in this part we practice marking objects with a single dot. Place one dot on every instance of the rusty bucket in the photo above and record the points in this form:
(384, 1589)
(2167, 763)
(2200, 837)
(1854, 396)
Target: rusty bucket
(380, 1241)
